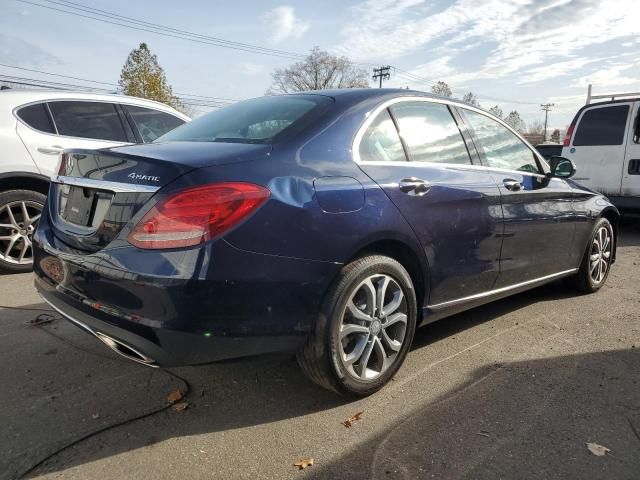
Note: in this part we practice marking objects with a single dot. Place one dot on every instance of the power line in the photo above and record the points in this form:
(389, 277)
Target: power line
(382, 73)
(111, 84)
(164, 31)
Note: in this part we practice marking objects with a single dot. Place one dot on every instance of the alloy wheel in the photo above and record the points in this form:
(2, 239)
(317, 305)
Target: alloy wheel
(600, 254)
(18, 222)
(373, 327)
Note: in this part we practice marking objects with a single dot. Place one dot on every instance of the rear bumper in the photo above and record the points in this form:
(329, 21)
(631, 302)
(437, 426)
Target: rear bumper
(183, 307)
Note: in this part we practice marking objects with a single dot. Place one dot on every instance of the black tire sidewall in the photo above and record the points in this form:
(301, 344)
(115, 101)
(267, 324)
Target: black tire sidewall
(370, 266)
(7, 197)
(593, 286)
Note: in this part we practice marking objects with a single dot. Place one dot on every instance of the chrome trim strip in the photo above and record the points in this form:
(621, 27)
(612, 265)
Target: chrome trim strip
(477, 296)
(117, 187)
(101, 336)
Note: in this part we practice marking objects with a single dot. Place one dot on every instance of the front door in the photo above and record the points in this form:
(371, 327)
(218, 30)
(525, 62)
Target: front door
(453, 206)
(539, 221)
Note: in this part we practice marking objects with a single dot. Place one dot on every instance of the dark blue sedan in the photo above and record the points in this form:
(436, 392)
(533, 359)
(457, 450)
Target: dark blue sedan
(328, 223)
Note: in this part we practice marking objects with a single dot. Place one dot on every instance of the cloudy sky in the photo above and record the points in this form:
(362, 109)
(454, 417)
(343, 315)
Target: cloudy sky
(517, 54)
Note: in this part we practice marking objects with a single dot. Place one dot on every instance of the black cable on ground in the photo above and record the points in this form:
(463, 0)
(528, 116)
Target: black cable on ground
(186, 389)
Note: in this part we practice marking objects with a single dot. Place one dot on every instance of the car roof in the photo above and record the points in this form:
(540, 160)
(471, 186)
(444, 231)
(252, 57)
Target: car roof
(15, 98)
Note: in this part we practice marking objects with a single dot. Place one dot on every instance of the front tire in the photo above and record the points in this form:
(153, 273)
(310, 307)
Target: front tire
(365, 328)
(597, 259)
(20, 212)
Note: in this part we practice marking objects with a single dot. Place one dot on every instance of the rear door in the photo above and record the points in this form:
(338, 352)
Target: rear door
(70, 124)
(539, 221)
(452, 205)
(598, 146)
(631, 170)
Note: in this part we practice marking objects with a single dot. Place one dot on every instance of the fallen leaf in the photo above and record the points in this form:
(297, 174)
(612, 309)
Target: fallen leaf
(349, 422)
(95, 416)
(303, 463)
(181, 407)
(175, 396)
(597, 450)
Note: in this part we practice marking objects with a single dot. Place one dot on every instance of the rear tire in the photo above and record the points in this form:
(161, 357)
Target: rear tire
(597, 259)
(19, 215)
(359, 341)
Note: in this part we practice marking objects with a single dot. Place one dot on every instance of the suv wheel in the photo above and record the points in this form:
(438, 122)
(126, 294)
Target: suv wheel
(20, 211)
(365, 328)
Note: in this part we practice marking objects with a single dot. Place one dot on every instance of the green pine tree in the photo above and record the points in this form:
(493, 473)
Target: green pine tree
(143, 77)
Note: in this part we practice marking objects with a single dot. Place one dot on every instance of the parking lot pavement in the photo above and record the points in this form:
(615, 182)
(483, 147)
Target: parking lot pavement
(510, 390)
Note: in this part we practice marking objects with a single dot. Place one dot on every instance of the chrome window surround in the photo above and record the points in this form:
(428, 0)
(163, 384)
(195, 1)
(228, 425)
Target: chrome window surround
(355, 146)
(117, 187)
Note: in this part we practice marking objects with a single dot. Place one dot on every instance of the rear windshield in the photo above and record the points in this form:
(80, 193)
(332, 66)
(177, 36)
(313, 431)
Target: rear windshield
(259, 120)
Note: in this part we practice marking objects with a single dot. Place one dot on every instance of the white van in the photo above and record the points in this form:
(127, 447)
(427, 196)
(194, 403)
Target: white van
(35, 126)
(603, 141)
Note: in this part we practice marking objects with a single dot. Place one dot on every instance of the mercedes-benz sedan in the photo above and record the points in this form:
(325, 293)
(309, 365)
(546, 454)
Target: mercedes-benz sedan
(329, 223)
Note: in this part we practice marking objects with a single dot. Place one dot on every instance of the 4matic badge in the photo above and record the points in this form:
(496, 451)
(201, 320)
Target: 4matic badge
(139, 176)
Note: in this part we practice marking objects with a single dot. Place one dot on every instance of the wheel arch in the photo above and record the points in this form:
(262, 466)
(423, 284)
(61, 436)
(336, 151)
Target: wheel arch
(406, 255)
(24, 181)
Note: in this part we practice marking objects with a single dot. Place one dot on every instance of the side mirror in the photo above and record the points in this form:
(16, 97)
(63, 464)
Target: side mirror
(562, 167)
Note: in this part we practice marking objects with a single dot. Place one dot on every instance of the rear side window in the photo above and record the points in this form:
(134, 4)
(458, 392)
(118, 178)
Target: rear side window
(500, 147)
(37, 117)
(430, 133)
(95, 120)
(602, 126)
(260, 120)
(380, 142)
(152, 123)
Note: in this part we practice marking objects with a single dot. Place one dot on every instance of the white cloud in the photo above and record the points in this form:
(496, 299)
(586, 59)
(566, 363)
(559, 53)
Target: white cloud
(249, 69)
(517, 35)
(283, 24)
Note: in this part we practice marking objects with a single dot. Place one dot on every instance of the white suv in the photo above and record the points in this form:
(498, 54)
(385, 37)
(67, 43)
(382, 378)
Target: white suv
(35, 126)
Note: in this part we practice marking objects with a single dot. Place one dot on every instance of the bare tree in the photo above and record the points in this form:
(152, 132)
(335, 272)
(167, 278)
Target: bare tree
(318, 71)
(535, 128)
(497, 111)
(471, 99)
(442, 89)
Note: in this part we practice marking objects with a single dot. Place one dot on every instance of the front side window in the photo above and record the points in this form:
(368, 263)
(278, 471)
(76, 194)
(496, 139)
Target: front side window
(380, 142)
(37, 117)
(501, 147)
(602, 126)
(430, 133)
(152, 123)
(95, 120)
(259, 120)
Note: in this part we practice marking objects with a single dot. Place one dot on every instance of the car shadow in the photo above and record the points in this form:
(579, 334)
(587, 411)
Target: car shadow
(526, 419)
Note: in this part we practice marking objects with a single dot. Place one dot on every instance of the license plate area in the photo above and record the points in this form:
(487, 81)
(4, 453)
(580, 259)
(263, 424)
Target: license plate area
(83, 206)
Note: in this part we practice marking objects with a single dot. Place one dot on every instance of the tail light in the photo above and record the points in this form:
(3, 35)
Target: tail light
(194, 215)
(569, 134)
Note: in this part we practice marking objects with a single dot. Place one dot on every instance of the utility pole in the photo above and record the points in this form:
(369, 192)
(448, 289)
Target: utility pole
(546, 107)
(382, 73)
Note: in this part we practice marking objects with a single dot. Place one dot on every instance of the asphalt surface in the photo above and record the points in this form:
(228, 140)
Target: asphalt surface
(512, 390)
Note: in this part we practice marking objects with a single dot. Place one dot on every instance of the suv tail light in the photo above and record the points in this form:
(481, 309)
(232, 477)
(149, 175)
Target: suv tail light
(194, 215)
(569, 134)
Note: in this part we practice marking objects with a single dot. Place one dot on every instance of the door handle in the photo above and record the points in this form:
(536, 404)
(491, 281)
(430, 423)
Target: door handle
(52, 150)
(414, 186)
(512, 185)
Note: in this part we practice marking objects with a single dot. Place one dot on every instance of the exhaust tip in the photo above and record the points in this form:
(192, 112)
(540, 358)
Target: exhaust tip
(125, 350)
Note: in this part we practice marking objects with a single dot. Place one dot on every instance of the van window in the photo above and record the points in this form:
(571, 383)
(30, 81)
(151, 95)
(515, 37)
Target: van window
(602, 126)
(430, 133)
(36, 116)
(381, 143)
(152, 123)
(96, 120)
